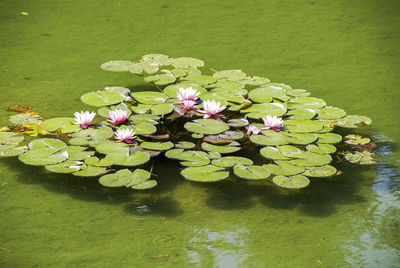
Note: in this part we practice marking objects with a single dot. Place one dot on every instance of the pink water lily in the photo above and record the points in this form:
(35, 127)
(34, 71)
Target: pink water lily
(272, 122)
(212, 108)
(118, 116)
(188, 104)
(84, 119)
(125, 134)
(253, 130)
(187, 94)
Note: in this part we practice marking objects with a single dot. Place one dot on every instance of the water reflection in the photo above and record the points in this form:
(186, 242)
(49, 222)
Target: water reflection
(209, 248)
(381, 224)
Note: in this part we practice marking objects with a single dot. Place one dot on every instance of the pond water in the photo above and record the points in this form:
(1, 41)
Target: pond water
(346, 52)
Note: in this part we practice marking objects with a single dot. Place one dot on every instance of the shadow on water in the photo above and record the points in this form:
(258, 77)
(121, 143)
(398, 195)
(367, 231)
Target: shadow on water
(320, 199)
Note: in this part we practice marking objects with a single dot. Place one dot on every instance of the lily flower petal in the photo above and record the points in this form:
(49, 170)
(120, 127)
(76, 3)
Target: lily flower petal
(125, 134)
(118, 116)
(272, 122)
(84, 119)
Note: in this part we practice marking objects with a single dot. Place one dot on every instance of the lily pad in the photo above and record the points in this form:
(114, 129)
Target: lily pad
(123, 157)
(121, 178)
(171, 90)
(157, 146)
(291, 182)
(107, 146)
(302, 114)
(195, 161)
(116, 66)
(323, 171)
(329, 138)
(185, 145)
(102, 98)
(257, 111)
(89, 171)
(352, 121)
(161, 79)
(284, 169)
(255, 80)
(46, 143)
(301, 138)
(144, 128)
(297, 92)
(356, 140)
(94, 161)
(10, 138)
(145, 185)
(273, 153)
(330, 112)
(187, 62)
(25, 119)
(306, 103)
(68, 166)
(199, 79)
(43, 157)
(241, 122)
(266, 93)
(230, 75)
(208, 173)
(303, 125)
(10, 151)
(361, 158)
(321, 148)
(64, 124)
(251, 172)
(269, 137)
(149, 97)
(159, 59)
(206, 126)
(136, 68)
(222, 149)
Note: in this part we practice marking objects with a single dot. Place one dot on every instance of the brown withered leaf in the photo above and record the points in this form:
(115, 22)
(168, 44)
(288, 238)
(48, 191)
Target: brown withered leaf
(20, 108)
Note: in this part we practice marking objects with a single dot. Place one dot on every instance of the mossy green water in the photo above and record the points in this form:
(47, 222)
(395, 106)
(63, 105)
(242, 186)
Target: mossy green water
(344, 52)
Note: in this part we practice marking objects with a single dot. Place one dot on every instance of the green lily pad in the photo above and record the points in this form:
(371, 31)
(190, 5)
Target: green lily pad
(303, 125)
(238, 107)
(185, 145)
(77, 153)
(206, 126)
(149, 97)
(241, 122)
(199, 79)
(323, 171)
(228, 85)
(255, 80)
(301, 138)
(10, 151)
(158, 109)
(301, 114)
(284, 169)
(330, 112)
(116, 66)
(105, 111)
(222, 149)
(257, 111)
(266, 93)
(306, 103)
(25, 119)
(161, 79)
(230, 75)
(136, 68)
(331, 138)
(102, 98)
(177, 72)
(121, 178)
(107, 146)
(174, 153)
(123, 157)
(157, 146)
(269, 137)
(68, 166)
(159, 59)
(43, 157)
(85, 136)
(147, 118)
(361, 158)
(321, 148)
(309, 159)
(96, 162)
(197, 136)
(89, 171)
(291, 182)
(145, 185)
(229, 161)
(213, 96)
(46, 143)
(225, 95)
(251, 172)
(297, 92)
(144, 128)
(351, 121)
(64, 124)
(208, 173)
(356, 140)
(187, 62)
(273, 153)
(10, 138)
(195, 161)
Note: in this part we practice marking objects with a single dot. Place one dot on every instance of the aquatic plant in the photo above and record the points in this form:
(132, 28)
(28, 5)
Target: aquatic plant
(202, 121)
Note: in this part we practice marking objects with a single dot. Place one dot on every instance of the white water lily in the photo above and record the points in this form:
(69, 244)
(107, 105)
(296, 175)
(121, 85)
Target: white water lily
(125, 134)
(187, 94)
(253, 130)
(84, 119)
(212, 108)
(118, 116)
(272, 122)
(188, 104)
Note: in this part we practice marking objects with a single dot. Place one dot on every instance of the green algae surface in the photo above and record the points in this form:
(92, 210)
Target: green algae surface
(345, 52)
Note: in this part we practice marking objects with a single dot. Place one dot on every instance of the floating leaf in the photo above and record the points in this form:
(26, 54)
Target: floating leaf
(321, 148)
(301, 138)
(187, 62)
(241, 122)
(351, 121)
(306, 103)
(262, 110)
(94, 161)
(89, 171)
(116, 66)
(159, 59)
(291, 182)
(10, 138)
(230, 75)
(185, 145)
(136, 68)
(195, 161)
(121, 178)
(64, 124)
(25, 119)
(330, 112)
(284, 169)
(301, 114)
(297, 92)
(161, 79)
(107, 146)
(158, 146)
(251, 172)
(9, 151)
(171, 90)
(68, 166)
(222, 149)
(43, 157)
(208, 173)
(255, 80)
(149, 97)
(329, 138)
(323, 171)
(361, 158)
(269, 137)
(356, 140)
(145, 185)
(272, 153)
(102, 98)
(123, 157)
(206, 126)
(144, 128)
(302, 125)
(266, 93)
(46, 143)
(198, 79)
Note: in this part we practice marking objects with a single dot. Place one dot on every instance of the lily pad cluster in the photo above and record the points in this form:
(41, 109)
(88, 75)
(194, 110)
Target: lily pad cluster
(203, 121)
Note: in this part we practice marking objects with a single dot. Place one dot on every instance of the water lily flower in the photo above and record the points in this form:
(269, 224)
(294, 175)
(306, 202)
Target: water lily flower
(84, 119)
(118, 116)
(187, 94)
(272, 122)
(253, 130)
(212, 108)
(125, 134)
(188, 104)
